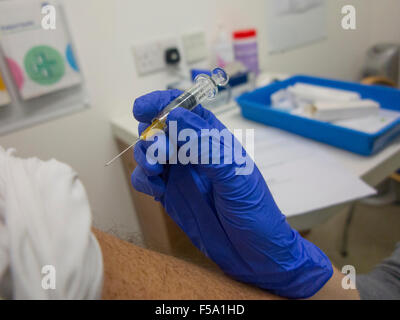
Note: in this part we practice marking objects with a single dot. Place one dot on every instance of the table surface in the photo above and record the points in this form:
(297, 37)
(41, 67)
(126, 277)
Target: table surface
(373, 169)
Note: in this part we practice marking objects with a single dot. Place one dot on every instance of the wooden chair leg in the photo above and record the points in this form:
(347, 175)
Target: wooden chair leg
(346, 230)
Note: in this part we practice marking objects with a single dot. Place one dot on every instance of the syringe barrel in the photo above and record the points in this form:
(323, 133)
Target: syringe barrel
(185, 100)
(204, 89)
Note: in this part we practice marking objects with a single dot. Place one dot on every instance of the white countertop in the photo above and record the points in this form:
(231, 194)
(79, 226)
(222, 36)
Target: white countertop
(373, 169)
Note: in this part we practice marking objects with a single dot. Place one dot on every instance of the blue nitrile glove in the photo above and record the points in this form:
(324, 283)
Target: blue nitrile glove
(231, 218)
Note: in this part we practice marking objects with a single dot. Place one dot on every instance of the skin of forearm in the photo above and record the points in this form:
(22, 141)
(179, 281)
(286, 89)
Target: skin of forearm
(333, 289)
(131, 272)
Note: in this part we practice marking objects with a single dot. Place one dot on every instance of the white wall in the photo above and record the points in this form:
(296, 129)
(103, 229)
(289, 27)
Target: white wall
(104, 31)
(385, 21)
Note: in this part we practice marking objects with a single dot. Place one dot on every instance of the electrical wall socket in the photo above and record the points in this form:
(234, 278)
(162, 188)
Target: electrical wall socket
(150, 57)
(195, 46)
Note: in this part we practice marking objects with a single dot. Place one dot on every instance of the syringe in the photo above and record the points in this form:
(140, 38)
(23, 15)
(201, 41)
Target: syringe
(205, 88)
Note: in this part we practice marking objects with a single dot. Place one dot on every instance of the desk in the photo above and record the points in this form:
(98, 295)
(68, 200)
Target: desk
(161, 233)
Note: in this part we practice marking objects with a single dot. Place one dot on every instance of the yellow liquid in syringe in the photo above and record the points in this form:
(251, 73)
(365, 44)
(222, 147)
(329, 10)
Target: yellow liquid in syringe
(153, 129)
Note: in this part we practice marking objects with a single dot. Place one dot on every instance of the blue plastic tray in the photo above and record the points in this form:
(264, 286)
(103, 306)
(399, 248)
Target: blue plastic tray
(256, 106)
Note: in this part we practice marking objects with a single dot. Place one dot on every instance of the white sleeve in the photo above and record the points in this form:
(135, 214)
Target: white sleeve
(52, 253)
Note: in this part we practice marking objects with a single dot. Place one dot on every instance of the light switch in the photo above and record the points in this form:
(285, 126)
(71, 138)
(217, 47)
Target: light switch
(150, 57)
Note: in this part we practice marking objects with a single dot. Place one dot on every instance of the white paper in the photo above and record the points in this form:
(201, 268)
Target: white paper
(293, 23)
(373, 123)
(300, 176)
(4, 98)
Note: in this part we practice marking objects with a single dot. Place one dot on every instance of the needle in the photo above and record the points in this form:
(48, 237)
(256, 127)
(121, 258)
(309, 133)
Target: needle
(119, 155)
(205, 87)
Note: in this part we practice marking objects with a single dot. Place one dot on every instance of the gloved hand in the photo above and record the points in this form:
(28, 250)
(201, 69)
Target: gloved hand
(231, 218)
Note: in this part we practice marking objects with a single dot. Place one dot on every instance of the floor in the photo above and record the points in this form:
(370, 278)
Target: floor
(373, 235)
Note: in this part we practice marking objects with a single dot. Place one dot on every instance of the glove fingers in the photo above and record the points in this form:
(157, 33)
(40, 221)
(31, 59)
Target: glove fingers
(147, 107)
(185, 119)
(152, 186)
(204, 113)
(213, 144)
(163, 144)
(142, 126)
(150, 164)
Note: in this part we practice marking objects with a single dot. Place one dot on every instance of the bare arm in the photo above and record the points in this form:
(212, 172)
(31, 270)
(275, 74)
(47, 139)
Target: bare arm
(333, 289)
(131, 272)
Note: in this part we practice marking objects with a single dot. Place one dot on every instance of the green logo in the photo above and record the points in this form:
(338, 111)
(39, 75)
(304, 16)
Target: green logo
(44, 65)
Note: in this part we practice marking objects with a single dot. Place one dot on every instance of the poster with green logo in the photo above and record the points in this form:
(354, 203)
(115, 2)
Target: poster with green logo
(40, 60)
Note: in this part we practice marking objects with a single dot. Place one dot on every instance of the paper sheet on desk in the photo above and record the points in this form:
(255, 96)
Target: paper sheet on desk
(372, 123)
(300, 177)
